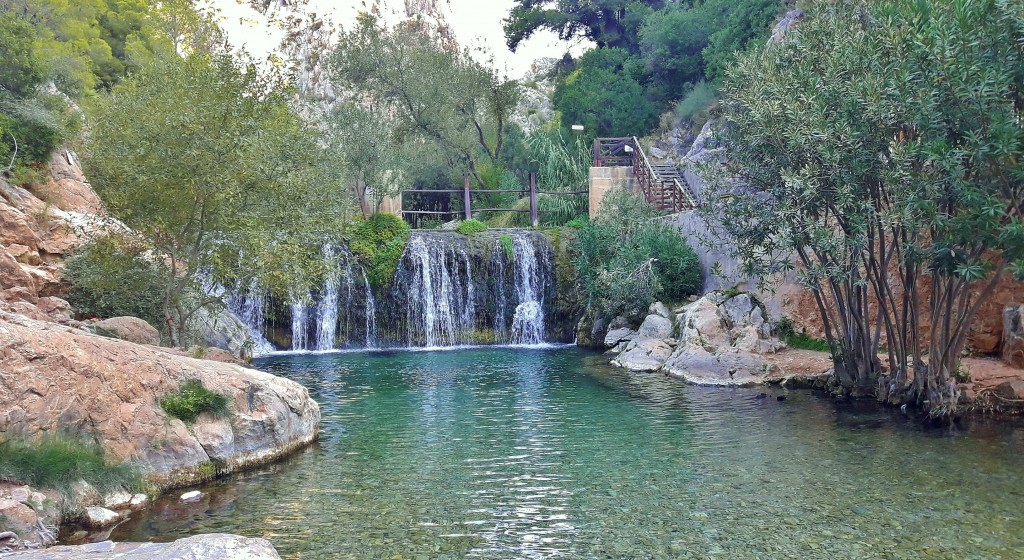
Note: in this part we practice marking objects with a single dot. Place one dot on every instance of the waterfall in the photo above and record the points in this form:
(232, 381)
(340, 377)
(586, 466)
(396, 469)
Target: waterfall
(300, 319)
(528, 321)
(249, 303)
(371, 313)
(439, 283)
(327, 307)
(498, 259)
(448, 290)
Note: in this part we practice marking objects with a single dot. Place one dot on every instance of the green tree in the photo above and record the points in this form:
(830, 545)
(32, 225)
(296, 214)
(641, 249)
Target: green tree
(438, 97)
(604, 95)
(879, 147)
(609, 23)
(209, 163)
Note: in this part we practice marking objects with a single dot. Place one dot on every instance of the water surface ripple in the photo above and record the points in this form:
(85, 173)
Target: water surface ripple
(548, 453)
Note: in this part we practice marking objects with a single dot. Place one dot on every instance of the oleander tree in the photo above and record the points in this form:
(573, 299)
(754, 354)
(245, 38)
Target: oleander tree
(878, 150)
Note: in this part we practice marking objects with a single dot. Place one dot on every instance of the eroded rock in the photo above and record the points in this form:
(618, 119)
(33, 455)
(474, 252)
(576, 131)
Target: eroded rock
(1013, 335)
(56, 377)
(131, 329)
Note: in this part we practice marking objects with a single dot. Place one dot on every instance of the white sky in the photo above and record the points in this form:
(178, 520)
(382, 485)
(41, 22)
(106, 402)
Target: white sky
(476, 23)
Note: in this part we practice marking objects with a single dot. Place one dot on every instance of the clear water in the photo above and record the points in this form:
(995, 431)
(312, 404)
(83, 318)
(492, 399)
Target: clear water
(514, 453)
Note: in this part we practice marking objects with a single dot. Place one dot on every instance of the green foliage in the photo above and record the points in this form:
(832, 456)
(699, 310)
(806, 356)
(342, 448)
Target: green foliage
(786, 331)
(673, 42)
(508, 246)
(578, 222)
(469, 227)
(627, 258)
(742, 23)
(695, 107)
(379, 242)
(445, 105)
(191, 400)
(21, 71)
(57, 461)
(112, 278)
(605, 96)
(609, 23)
(208, 161)
(877, 121)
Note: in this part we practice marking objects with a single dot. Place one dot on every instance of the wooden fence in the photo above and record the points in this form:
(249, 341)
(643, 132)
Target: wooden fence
(467, 199)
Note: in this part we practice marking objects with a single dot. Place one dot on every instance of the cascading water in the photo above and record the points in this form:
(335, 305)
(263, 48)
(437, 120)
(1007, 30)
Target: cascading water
(371, 313)
(327, 306)
(249, 303)
(300, 320)
(448, 290)
(439, 298)
(528, 321)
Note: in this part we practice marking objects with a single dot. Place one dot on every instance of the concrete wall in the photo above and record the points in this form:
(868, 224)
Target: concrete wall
(604, 179)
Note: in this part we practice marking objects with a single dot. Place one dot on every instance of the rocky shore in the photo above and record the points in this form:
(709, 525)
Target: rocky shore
(728, 340)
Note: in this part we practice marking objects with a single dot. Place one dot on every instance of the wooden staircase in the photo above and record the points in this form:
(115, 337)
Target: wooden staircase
(661, 184)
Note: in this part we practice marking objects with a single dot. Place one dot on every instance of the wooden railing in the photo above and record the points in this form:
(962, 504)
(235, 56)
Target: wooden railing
(661, 185)
(467, 200)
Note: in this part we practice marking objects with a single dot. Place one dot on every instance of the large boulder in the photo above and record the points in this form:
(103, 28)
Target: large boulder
(1013, 335)
(200, 547)
(131, 329)
(54, 377)
(644, 354)
(655, 326)
(728, 366)
(13, 275)
(219, 328)
(618, 336)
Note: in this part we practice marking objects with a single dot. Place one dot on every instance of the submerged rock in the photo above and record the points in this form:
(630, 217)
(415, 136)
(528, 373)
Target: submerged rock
(199, 547)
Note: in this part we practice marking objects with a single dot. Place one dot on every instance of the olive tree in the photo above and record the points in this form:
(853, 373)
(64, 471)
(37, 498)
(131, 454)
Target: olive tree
(878, 147)
(210, 164)
(436, 96)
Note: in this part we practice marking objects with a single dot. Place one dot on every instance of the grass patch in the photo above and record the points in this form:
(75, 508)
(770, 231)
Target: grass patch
(192, 399)
(469, 227)
(58, 461)
(579, 222)
(786, 331)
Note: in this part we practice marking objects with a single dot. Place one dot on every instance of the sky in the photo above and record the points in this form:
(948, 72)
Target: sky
(476, 23)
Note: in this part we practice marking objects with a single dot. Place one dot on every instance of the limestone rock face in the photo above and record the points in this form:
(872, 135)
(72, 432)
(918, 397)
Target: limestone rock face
(1013, 335)
(200, 547)
(655, 326)
(55, 377)
(721, 341)
(131, 329)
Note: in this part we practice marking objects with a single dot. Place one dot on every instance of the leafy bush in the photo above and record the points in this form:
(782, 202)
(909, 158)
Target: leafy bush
(694, 107)
(111, 278)
(579, 222)
(192, 399)
(57, 461)
(469, 227)
(627, 258)
(379, 242)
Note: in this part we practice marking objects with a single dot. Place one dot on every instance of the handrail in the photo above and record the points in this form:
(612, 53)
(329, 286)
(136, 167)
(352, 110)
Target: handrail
(665, 193)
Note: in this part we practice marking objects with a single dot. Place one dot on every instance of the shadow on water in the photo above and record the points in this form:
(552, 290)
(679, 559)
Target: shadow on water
(534, 453)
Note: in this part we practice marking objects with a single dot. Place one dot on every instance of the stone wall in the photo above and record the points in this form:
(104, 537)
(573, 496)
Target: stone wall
(604, 179)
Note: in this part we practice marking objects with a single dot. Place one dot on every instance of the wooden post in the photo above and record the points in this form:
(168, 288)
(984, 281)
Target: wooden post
(534, 217)
(465, 198)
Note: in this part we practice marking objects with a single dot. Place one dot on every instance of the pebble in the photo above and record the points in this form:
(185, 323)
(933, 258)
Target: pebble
(192, 496)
